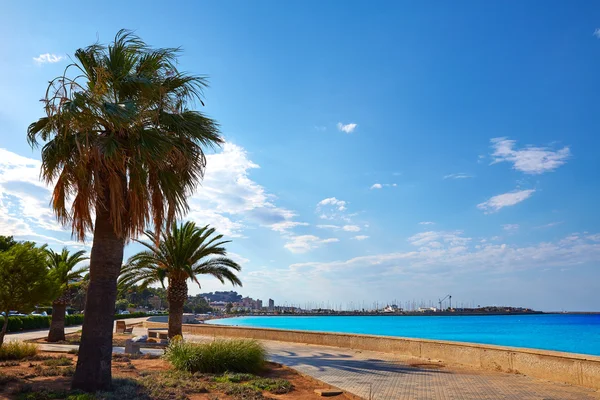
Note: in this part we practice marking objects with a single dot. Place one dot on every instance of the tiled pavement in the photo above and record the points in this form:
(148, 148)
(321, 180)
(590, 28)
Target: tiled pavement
(391, 377)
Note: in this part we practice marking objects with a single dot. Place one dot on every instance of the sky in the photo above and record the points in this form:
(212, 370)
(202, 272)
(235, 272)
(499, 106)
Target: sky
(375, 152)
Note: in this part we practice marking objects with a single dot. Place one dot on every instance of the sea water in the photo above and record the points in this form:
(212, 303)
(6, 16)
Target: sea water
(575, 333)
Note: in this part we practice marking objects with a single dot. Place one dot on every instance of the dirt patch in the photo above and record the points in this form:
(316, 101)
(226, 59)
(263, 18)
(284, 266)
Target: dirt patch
(75, 339)
(153, 378)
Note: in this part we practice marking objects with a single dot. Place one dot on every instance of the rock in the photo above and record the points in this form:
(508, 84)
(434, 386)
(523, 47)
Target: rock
(140, 339)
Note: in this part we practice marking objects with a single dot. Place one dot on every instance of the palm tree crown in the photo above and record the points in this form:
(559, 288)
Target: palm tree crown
(62, 266)
(119, 136)
(182, 253)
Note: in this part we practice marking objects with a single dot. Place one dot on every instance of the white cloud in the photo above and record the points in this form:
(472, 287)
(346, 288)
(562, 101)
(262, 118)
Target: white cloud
(228, 198)
(459, 175)
(360, 237)
(459, 257)
(332, 208)
(231, 201)
(339, 204)
(438, 239)
(347, 228)
(287, 225)
(597, 33)
(510, 227)
(495, 203)
(335, 227)
(426, 223)
(347, 128)
(530, 160)
(382, 185)
(305, 243)
(47, 58)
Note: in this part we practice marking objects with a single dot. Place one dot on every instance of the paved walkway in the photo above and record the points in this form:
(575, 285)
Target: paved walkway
(385, 376)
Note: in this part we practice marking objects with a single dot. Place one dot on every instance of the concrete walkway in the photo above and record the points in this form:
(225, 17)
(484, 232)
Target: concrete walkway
(385, 376)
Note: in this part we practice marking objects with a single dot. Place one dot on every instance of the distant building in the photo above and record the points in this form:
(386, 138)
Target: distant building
(218, 305)
(258, 304)
(271, 304)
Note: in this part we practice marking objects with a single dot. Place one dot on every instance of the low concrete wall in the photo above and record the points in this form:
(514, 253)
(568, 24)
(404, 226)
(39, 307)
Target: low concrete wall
(556, 366)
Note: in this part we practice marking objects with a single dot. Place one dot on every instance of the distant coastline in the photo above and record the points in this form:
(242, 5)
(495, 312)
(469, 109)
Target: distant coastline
(402, 314)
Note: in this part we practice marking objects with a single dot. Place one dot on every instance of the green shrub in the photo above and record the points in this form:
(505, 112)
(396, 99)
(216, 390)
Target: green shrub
(236, 355)
(132, 315)
(17, 324)
(17, 350)
(58, 362)
(275, 386)
(75, 319)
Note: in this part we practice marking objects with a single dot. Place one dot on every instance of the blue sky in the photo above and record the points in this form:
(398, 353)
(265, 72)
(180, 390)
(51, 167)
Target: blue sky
(374, 153)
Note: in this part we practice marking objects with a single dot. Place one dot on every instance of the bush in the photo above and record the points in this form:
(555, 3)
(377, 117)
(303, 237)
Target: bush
(132, 315)
(17, 350)
(236, 355)
(58, 362)
(75, 319)
(17, 324)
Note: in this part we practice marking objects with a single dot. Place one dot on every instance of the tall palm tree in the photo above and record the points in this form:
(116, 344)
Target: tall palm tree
(178, 255)
(62, 270)
(122, 150)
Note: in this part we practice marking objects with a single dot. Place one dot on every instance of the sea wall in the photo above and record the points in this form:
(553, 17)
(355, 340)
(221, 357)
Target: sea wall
(556, 366)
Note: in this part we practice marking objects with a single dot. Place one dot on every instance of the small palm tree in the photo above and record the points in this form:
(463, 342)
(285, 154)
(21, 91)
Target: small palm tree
(181, 254)
(122, 149)
(62, 271)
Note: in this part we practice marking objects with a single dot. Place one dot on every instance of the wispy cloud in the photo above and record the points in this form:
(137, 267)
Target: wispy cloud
(510, 227)
(500, 201)
(305, 243)
(426, 223)
(530, 159)
(382, 185)
(331, 208)
(360, 237)
(597, 33)
(549, 225)
(347, 228)
(459, 175)
(47, 58)
(346, 128)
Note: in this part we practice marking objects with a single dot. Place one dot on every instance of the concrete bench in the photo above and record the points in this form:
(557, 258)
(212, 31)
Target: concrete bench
(132, 347)
(158, 333)
(121, 327)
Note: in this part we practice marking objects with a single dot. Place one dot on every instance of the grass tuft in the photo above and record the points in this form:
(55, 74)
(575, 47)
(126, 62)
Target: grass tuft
(61, 361)
(236, 355)
(17, 350)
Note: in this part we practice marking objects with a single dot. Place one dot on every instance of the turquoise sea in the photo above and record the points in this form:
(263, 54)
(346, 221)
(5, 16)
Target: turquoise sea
(561, 332)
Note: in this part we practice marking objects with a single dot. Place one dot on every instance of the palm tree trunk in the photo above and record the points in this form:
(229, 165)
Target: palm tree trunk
(95, 352)
(57, 325)
(4, 327)
(176, 295)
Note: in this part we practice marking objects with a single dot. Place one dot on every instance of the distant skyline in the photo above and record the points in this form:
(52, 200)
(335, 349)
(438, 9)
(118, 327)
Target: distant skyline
(373, 152)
